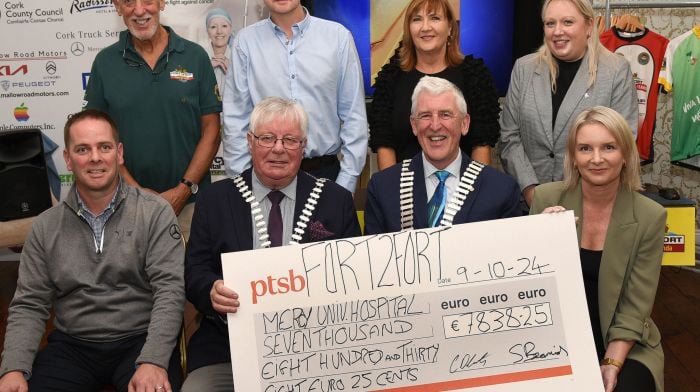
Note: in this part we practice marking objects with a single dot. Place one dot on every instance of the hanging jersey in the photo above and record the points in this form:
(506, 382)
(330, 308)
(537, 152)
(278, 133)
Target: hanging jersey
(680, 73)
(644, 51)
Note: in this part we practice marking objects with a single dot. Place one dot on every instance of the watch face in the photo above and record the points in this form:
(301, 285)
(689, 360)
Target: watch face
(194, 188)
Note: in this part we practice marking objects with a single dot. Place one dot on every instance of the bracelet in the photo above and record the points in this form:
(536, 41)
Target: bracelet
(611, 361)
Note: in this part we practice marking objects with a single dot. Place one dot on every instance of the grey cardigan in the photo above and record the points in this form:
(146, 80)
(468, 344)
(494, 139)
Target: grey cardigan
(533, 152)
(134, 286)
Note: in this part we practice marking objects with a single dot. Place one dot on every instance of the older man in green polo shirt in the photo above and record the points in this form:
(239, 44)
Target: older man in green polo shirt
(161, 91)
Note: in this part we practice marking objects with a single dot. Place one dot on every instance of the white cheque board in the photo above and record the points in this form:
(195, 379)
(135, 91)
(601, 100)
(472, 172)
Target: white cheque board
(496, 305)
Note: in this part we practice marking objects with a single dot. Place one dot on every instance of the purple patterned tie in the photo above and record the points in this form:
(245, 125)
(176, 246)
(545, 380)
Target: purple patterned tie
(274, 221)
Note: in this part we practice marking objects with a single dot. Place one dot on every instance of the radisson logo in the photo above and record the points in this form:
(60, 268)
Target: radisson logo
(87, 5)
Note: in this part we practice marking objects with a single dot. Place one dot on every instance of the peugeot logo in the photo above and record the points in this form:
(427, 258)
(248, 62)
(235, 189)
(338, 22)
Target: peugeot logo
(77, 48)
(50, 67)
(5, 84)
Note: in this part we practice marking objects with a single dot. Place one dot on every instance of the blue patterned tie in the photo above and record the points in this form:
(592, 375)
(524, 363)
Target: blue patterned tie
(436, 205)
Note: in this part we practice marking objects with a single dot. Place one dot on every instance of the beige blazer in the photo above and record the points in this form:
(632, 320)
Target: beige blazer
(629, 269)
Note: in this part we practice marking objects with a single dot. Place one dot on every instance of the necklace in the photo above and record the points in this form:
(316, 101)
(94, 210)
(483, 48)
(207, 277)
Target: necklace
(464, 188)
(259, 220)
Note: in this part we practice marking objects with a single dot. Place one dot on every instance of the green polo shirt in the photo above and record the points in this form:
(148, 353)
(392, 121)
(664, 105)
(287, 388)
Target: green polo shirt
(158, 111)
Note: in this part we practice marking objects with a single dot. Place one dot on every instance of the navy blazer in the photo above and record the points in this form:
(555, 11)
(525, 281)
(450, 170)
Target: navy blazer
(496, 195)
(222, 223)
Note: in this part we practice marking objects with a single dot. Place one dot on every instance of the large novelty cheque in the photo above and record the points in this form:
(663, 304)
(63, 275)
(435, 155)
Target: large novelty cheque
(496, 305)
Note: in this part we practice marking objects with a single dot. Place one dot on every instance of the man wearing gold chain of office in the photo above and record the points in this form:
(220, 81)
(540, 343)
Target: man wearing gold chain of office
(271, 204)
(439, 186)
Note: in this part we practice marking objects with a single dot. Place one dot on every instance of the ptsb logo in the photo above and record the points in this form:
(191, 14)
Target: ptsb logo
(273, 286)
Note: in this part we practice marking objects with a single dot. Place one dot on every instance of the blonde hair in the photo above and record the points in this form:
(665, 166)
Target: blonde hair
(594, 46)
(621, 131)
(407, 51)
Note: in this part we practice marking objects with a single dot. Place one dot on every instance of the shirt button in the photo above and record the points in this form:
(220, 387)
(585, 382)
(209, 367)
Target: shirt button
(291, 52)
(551, 155)
(294, 76)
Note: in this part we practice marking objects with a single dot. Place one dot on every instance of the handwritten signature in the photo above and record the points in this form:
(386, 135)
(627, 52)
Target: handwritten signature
(527, 352)
(462, 362)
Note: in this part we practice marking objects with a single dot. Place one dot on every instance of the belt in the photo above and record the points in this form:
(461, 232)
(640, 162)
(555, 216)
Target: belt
(315, 163)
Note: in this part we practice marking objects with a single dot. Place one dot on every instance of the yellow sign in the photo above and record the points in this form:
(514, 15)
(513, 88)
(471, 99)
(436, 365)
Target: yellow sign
(679, 241)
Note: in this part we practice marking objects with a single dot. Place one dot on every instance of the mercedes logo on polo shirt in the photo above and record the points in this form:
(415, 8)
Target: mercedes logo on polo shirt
(50, 67)
(77, 48)
(175, 231)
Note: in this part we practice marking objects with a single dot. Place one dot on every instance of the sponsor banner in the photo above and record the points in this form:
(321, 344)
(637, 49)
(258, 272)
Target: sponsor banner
(411, 311)
(679, 240)
(49, 46)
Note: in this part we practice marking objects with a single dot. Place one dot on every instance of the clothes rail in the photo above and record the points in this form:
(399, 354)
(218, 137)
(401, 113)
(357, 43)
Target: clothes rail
(626, 5)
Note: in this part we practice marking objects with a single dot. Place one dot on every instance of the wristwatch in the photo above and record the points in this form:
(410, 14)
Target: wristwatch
(611, 361)
(193, 187)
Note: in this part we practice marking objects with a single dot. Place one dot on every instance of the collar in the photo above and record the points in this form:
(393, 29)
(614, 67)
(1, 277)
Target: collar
(110, 206)
(454, 168)
(299, 27)
(74, 202)
(175, 42)
(622, 214)
(260, 190)
(541, 67)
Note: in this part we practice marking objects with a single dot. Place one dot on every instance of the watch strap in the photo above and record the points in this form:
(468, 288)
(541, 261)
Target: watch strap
(611, 361)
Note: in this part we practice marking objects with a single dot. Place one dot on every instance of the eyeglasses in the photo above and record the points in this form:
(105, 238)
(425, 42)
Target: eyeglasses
(443, 115)
(269, 141)
(160, 65)
(132, 3)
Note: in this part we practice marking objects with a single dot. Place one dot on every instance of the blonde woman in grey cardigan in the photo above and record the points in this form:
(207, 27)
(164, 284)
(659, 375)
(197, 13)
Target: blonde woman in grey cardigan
(572, 71)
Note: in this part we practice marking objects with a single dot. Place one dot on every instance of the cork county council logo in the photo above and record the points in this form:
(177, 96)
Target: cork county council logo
(50, 67)
(77, 48)
(21, 113)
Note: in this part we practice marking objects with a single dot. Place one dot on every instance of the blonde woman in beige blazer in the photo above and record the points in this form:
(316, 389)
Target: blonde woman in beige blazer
(621, 234)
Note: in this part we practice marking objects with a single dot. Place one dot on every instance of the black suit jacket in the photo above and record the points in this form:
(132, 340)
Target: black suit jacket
(222, 223)
(496, 195)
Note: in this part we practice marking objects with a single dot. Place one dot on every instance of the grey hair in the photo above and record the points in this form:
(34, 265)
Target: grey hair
(272, 108)
(436, 86)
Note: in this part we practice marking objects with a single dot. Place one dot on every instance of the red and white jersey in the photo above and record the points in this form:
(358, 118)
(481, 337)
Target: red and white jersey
(645, 52)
